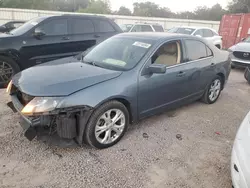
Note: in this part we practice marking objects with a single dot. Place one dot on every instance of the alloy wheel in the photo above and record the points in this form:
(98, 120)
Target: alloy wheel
(214, 90)
(6, 72)
(110, 126)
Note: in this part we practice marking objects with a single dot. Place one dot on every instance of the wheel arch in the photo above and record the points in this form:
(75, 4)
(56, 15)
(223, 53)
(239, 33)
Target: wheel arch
(12, 54)
(122, 100)
(220, 74)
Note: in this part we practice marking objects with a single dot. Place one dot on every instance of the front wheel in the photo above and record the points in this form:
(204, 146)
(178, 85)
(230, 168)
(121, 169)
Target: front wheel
(107, 125)
(213, 91)
(8, 68)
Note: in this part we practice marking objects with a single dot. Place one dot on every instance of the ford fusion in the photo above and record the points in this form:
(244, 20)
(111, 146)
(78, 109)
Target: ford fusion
(120, 81)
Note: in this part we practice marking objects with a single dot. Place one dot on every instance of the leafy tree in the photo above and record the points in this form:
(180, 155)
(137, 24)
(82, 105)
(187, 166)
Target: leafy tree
(124, 11)
(28, 4)
(239, 6)
(97, 7)
(69, 5)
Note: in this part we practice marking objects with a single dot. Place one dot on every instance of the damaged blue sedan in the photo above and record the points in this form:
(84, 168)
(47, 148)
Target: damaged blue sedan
(92, 98)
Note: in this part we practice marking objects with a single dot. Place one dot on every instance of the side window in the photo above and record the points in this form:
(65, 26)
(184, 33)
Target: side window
(103, 26)
(136, 28)
(195, 50)
(146, 28)
(55, 27)
(208, 33)
(199, 32)
(168, 54)
(80, 26)
(209, 52)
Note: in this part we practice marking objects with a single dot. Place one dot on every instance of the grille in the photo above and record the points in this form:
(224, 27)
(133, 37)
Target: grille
(22, 97)
(242, 55)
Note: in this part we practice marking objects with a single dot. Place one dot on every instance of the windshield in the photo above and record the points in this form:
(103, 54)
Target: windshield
(27, 26)
(158, 28)
(247, 39)
(118, 53)
(181, 30)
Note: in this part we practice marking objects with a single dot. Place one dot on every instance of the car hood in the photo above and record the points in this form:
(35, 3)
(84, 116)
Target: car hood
(242, 47)
(61, 79)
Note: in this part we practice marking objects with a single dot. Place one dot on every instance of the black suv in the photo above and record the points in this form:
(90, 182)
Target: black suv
(48, 38)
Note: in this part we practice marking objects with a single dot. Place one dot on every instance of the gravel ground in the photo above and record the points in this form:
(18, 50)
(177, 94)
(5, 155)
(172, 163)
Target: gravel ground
(149, 155)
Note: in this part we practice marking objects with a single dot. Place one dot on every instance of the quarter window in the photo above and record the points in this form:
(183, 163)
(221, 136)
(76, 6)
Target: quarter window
(55, 27)
(82, 26)
(196, 50)
(103, 26)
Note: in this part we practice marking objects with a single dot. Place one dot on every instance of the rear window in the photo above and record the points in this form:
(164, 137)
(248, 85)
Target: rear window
(158, 28)
(103, 26)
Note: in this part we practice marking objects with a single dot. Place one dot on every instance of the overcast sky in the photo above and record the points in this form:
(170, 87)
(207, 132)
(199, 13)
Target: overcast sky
(174, 5)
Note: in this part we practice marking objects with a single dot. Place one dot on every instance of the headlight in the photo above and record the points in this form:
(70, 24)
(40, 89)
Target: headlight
(41, 105)
(9, 87)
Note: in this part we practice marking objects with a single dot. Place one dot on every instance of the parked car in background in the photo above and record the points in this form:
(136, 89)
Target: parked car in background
(126, 27)
(143, 27)
(128, 77)
(240, 160)
(207, 33)
(48, 38)
(240, 54)
(9, 26)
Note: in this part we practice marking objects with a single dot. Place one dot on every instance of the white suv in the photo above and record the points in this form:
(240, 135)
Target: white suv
(142, 27)
(207, 33)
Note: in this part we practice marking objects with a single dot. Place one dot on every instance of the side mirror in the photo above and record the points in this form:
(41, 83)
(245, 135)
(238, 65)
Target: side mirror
(198, 36)
(157, 68)
(38, 33)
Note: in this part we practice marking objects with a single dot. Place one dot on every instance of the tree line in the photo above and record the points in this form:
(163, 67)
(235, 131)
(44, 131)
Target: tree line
(148, 9)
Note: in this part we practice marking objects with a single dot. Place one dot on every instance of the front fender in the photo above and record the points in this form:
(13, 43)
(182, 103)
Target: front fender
(100, 93)
(11, 53)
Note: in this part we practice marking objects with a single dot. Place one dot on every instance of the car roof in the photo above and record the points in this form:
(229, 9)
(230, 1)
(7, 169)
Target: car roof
(155, 35)
(76, 16)
(195, 27)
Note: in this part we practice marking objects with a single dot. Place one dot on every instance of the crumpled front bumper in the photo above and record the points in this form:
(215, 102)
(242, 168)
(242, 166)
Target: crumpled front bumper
(65, 125)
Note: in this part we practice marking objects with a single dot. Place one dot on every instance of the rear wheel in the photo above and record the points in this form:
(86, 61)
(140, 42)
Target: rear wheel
(8, 68)
(213, 91)
(107, 125)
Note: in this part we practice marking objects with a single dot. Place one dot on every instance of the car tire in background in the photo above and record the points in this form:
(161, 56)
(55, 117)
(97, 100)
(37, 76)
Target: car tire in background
(107, 125)
(213, 91)
(8, 68)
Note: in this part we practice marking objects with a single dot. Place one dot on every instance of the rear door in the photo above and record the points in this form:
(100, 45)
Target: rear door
(103, 29)
(199, 58)
(82, 34)
(55, 44)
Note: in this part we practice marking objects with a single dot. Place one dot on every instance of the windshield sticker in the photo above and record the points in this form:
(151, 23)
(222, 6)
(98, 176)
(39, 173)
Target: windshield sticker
(33, 23)
(115, 62)
(142, 44)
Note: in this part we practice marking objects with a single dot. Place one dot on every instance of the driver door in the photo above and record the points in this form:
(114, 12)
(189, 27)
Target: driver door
(54, 44)
(158, 92)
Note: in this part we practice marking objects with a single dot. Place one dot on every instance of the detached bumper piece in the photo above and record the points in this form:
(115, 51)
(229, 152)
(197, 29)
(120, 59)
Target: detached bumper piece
(247, 74)
(66, 125)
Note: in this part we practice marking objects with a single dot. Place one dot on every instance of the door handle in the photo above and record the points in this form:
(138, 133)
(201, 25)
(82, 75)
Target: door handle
(181, 74)
(65, 38)
(97, 36)
(212, 65)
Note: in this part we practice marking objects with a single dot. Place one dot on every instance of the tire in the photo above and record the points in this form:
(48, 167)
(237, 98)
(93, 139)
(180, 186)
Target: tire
(101, 117)
(11, 66)
(207, 95)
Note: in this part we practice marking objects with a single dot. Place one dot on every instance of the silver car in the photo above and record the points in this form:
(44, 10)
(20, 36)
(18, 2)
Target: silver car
(240, 54)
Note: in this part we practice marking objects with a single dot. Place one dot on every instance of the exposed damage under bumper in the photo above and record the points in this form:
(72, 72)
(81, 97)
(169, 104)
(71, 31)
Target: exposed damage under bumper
(61, 126)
